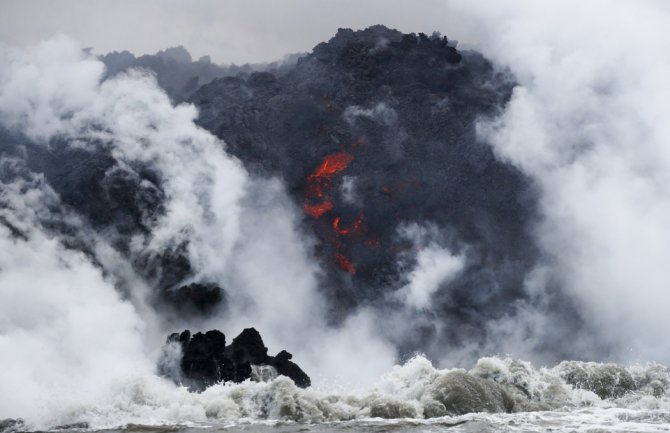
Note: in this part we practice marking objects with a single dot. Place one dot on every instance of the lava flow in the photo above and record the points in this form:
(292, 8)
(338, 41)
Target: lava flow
(318, 202)
(319, 209)
(345, 264)
(317, 196)
(319, 182)
(357, 227)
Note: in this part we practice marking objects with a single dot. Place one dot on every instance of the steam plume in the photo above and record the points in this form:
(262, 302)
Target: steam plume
(239, 232)
(589, 123)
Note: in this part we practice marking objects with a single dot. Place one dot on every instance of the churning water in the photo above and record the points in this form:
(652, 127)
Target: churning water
(495, 395)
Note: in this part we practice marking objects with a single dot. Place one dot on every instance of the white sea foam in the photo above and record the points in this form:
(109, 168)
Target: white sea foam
(408, 393)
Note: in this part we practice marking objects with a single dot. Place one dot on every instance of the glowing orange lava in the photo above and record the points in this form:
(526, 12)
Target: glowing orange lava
(346, 264)
(355, 228)
(319, 201)
(318, 210)
(318, 183)
(333, 164)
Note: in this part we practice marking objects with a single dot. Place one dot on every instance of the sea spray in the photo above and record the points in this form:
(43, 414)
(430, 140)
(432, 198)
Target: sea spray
(414, 391)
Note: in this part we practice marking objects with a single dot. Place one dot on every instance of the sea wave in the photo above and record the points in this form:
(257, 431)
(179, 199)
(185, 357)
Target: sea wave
(415, 391)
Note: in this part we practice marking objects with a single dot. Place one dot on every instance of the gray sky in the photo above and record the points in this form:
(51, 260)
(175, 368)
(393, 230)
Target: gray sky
(229, 31)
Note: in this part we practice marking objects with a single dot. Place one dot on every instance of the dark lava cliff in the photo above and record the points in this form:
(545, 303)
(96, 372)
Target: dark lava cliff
(376, 130)
(374, 135)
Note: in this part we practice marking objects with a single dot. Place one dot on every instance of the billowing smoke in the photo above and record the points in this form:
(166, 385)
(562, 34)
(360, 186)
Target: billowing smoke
(101, 181)
(589, 123)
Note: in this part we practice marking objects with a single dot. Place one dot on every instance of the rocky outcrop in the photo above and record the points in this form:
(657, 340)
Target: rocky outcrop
(204, 359)
(374, 129)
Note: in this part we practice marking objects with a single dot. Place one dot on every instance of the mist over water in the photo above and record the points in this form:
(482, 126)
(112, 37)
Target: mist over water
(80, 327)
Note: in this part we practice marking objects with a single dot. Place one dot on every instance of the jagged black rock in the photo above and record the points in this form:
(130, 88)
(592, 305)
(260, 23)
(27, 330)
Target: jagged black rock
(206, 360)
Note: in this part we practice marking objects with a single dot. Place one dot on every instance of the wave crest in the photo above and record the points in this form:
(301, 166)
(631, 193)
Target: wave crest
(416, 390)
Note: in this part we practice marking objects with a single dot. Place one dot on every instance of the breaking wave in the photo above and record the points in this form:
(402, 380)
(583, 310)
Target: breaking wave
(414, 391)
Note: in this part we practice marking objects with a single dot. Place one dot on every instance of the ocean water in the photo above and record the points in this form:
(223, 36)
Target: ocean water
(582, 420)
(585, 420)
(494, 395)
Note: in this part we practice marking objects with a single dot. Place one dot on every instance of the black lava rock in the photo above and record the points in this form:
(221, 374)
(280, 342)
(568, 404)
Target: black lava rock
(206, 360)
(376, 129)
(284, 366)
(248, 347)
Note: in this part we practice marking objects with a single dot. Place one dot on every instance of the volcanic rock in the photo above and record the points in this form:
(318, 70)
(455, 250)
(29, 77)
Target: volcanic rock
(375, 131)
(206, 360)
(397, 112)
(284, 366)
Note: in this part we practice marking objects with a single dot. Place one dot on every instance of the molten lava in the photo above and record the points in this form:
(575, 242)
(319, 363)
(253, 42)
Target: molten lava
(319, 201)
(318, 210)
(356, 228)
(333, 164)
(345, 264)
(319, 182)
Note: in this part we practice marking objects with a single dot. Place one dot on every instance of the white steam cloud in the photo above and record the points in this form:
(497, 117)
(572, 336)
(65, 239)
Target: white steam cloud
(590, 123)
(435, 266)
(65, 333)
(63, 324)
